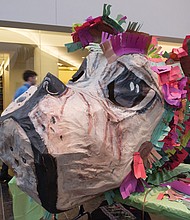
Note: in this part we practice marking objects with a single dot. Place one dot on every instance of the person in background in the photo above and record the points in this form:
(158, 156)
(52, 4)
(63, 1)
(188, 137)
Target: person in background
(30, 79)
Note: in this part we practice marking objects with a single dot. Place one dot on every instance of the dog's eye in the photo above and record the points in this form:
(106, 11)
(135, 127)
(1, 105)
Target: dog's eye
(80, 71)
(127, 90)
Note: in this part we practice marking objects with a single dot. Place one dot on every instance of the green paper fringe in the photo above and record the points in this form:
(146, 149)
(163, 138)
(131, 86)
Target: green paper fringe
(106, 10)
(162, 129)
(71, 47)
(109, 195)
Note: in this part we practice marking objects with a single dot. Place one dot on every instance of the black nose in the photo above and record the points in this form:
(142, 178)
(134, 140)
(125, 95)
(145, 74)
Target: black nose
(53, 85)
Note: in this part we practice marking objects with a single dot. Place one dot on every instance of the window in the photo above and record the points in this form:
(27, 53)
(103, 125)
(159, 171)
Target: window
(41, 51)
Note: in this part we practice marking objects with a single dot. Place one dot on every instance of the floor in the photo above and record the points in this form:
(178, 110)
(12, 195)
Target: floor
(5, 203)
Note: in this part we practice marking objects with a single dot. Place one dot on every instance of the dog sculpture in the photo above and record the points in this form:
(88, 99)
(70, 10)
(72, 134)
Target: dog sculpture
(70, 143)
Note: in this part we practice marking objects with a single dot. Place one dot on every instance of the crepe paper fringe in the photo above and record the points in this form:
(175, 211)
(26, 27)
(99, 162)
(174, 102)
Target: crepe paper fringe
(130, 43)
(114, 46)
(106, 10)
(133, 26)
(87, 32)
(172, 134)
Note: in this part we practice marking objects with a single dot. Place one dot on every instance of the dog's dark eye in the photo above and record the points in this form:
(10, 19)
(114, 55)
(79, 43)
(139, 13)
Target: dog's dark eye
(127, 90)
(80, 71)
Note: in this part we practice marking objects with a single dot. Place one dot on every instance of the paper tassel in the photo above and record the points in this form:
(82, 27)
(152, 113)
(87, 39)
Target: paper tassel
(138, 166)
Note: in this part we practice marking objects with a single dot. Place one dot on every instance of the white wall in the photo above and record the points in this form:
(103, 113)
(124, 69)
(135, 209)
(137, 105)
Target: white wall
(169, 18)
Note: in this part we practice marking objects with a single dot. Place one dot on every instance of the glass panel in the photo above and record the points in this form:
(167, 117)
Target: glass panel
(41, 51)
(17, 48)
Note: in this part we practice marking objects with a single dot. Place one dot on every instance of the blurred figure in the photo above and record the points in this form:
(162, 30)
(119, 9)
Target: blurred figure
(30, 79)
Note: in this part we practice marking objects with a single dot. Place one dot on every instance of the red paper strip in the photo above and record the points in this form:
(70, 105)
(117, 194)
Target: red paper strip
(160, 196)
(138, 166)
